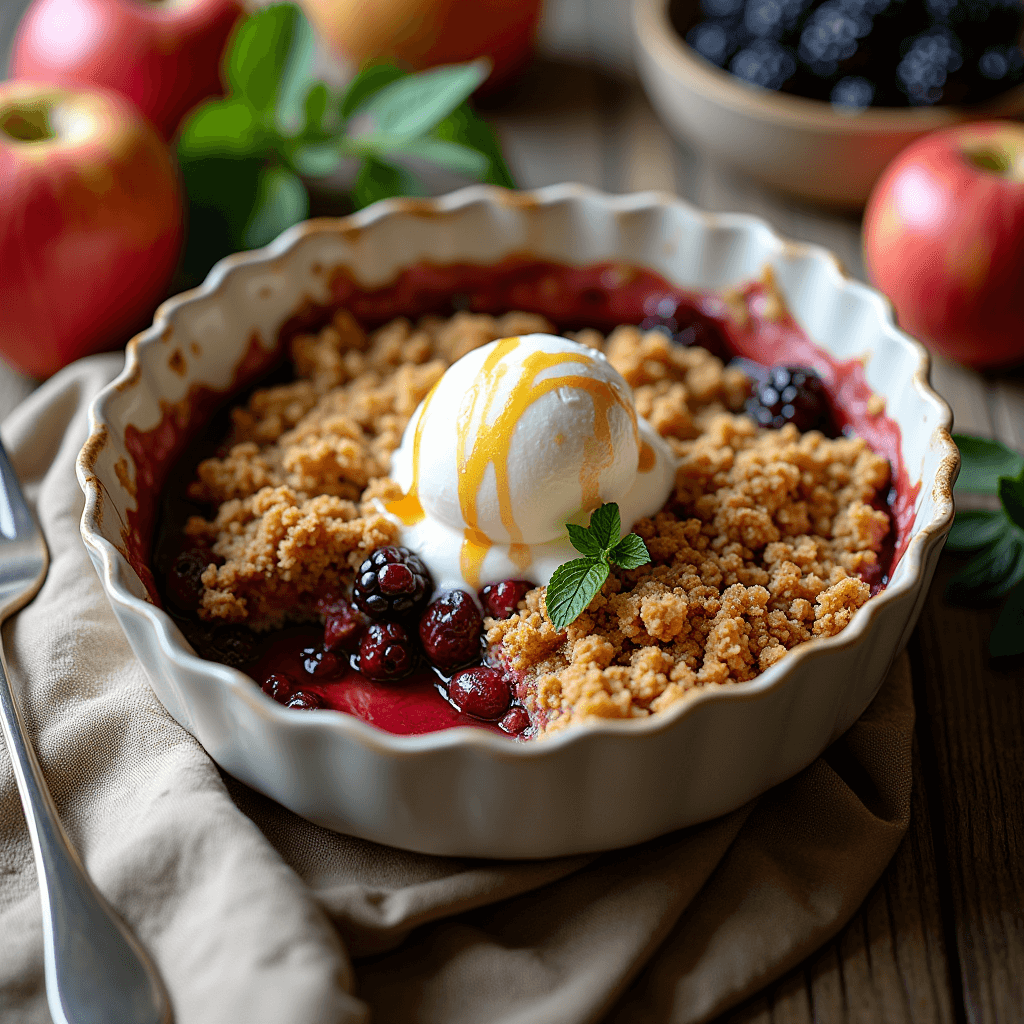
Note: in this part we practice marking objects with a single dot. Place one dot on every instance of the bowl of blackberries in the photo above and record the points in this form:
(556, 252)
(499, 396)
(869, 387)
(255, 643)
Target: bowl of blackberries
(815, 97)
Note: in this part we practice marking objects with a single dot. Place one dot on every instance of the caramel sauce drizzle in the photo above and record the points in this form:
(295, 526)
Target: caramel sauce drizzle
(408, 507)
(491, 444)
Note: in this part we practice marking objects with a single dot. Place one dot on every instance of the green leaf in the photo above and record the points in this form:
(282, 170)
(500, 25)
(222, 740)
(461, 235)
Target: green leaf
(1007, 639)
(1011, 494)
(605, 525)
(317, 105)
(993, 573)
(630, 553)
(260, 54)
(572, 587)
(222, 128)
(315, 160)
(281, 201)
(983, 462)
(972, 530)
(463, 126)
(296, 77)
(451, 155)
(369, 81)
(413, 106)
(380, 180)
(584, 541)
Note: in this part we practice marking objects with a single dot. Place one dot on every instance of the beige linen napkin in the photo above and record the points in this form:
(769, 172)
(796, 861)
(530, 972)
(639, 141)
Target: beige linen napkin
(258, 917)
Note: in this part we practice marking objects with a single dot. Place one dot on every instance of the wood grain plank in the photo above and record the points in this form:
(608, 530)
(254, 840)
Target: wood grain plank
(974, 709)
(552, 128)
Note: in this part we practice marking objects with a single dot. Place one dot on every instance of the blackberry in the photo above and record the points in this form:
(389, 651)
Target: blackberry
(392, 582)
(792, 394)
(712, 41)
(852, 93)
(923, 72)
(450, 631)
(829, 38)
(771, 19)
(764, 63)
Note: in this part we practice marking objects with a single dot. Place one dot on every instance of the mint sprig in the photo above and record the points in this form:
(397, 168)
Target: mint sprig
(247, 159)
(573, 585)
(996, 536)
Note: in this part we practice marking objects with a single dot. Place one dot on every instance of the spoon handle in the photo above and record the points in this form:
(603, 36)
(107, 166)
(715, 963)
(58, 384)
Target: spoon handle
(96, 972)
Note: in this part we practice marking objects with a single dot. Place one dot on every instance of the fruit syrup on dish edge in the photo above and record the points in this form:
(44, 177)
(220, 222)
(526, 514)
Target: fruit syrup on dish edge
(384, 654)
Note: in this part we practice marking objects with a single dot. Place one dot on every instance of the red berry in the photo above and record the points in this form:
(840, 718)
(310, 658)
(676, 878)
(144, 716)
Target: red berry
(515, 721)
(481, 692)
(386, 652)
(278, 685)
(318, 662)
(392, 582)
(305, 700)
(501, 599)
(450, 631)
(343, 627)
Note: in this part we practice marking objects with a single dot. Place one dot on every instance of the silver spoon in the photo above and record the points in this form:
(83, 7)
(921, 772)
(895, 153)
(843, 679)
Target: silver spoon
(96, 972)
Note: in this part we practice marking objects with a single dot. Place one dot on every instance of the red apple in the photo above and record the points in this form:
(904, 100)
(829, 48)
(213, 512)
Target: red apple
(90, 223)
(164, 55)
(425, 33)
(944, 239)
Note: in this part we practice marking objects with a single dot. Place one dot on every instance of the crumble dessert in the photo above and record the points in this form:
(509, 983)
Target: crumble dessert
(767, 537)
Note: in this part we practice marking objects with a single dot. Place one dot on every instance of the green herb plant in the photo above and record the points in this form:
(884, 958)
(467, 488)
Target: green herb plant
(246, 158)
(573, 585)
(997, 537)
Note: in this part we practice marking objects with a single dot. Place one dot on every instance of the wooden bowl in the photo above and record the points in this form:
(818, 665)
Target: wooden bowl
(803, 147)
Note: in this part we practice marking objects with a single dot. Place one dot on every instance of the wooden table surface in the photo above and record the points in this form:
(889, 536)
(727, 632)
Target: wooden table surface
(941, 936)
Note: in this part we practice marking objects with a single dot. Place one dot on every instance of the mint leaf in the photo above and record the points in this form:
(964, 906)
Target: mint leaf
(572, 587)
(993, 573)
(380, 180)
(605, 525)
(315, 160)
(222, 128)
(259, 55)
(281, 201)
(630, 552)
(973, 529)
(463, 126)
(450, 155)
(1011, 494)
(584, 541)
(983, 462)
(296, 76)
(315, 109)
(369, 81)
(1007, 639)
(413, 106)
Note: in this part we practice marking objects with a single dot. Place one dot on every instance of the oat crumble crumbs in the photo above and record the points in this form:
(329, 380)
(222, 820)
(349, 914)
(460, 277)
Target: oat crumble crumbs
(761, 546)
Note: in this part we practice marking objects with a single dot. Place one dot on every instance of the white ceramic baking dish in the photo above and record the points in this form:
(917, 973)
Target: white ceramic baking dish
(472, 792)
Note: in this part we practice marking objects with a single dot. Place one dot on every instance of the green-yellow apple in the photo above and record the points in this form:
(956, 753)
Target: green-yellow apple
(90, 223)
(424, 33)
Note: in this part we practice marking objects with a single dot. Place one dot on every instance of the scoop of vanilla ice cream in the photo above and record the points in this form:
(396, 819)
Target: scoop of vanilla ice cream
(518, 438)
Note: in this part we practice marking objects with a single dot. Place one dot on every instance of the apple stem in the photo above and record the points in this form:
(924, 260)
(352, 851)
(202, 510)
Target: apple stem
(991, 159)
(27, 125)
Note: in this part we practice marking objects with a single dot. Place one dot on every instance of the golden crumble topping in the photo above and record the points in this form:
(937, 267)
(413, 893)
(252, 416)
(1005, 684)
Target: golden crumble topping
(763, 544)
